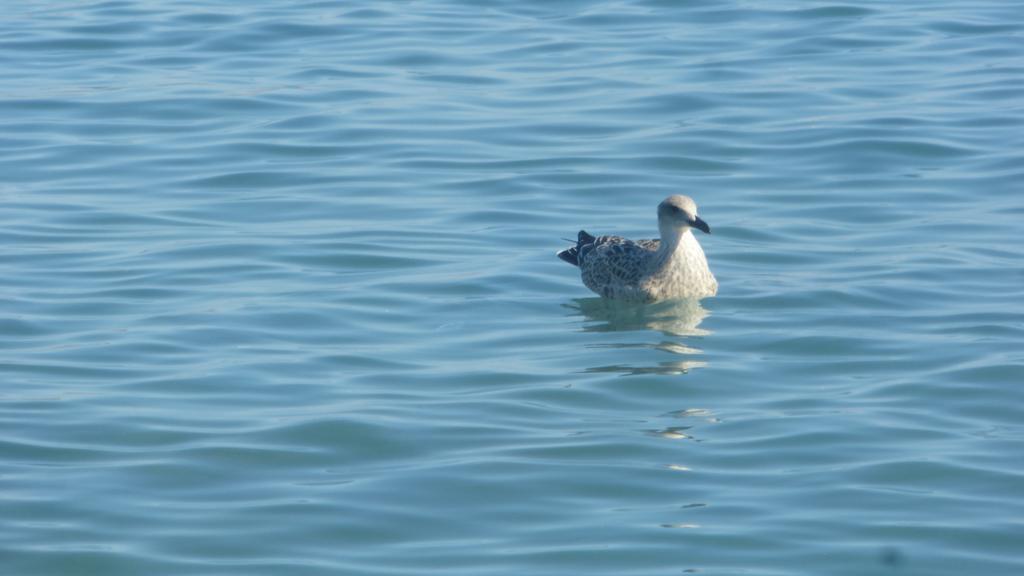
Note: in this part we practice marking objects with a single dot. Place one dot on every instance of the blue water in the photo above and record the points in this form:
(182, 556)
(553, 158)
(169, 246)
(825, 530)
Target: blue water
(279, 293)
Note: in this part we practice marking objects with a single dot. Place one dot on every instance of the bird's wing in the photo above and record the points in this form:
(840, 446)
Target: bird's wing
(651, 245)
(610, 262)
(616, 247)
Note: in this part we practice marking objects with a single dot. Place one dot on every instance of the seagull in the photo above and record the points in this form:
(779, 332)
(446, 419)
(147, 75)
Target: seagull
(671, 268)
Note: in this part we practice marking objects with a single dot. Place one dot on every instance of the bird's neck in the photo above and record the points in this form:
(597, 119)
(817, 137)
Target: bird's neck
(672, 240)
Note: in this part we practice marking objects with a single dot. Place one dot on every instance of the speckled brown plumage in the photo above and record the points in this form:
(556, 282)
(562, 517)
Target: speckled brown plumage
(648, 270)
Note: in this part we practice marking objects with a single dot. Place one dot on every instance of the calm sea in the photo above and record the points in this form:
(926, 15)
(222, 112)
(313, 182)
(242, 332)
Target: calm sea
(279, 293)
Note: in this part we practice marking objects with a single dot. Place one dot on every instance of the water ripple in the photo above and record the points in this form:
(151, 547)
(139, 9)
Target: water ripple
(280, 293)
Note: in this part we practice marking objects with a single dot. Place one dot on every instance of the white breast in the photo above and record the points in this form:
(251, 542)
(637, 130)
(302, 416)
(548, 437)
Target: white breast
(684, 275)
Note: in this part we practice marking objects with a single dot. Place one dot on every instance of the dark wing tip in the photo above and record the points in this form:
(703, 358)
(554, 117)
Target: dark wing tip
(584, 238)
(570, 256)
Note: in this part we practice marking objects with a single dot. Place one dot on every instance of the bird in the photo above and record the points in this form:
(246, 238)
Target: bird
(671, 268)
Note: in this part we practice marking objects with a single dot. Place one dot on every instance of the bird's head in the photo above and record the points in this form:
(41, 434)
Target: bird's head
(680, 213)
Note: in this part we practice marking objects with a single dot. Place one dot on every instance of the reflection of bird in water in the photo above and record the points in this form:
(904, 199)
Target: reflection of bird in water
(672, 318)
(648, 270)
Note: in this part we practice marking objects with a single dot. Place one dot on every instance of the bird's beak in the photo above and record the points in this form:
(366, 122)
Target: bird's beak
(700, 225)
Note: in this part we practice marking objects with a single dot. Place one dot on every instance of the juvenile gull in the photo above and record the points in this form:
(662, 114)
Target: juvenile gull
(648, 270)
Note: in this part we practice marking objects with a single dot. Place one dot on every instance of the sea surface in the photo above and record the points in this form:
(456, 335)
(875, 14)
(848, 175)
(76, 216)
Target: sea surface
(279, 295)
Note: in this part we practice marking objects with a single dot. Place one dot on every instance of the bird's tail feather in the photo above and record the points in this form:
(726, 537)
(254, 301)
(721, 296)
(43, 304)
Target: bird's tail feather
(572, 255)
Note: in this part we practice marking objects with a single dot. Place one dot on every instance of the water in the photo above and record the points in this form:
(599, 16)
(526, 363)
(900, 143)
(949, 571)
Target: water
(280, 295)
